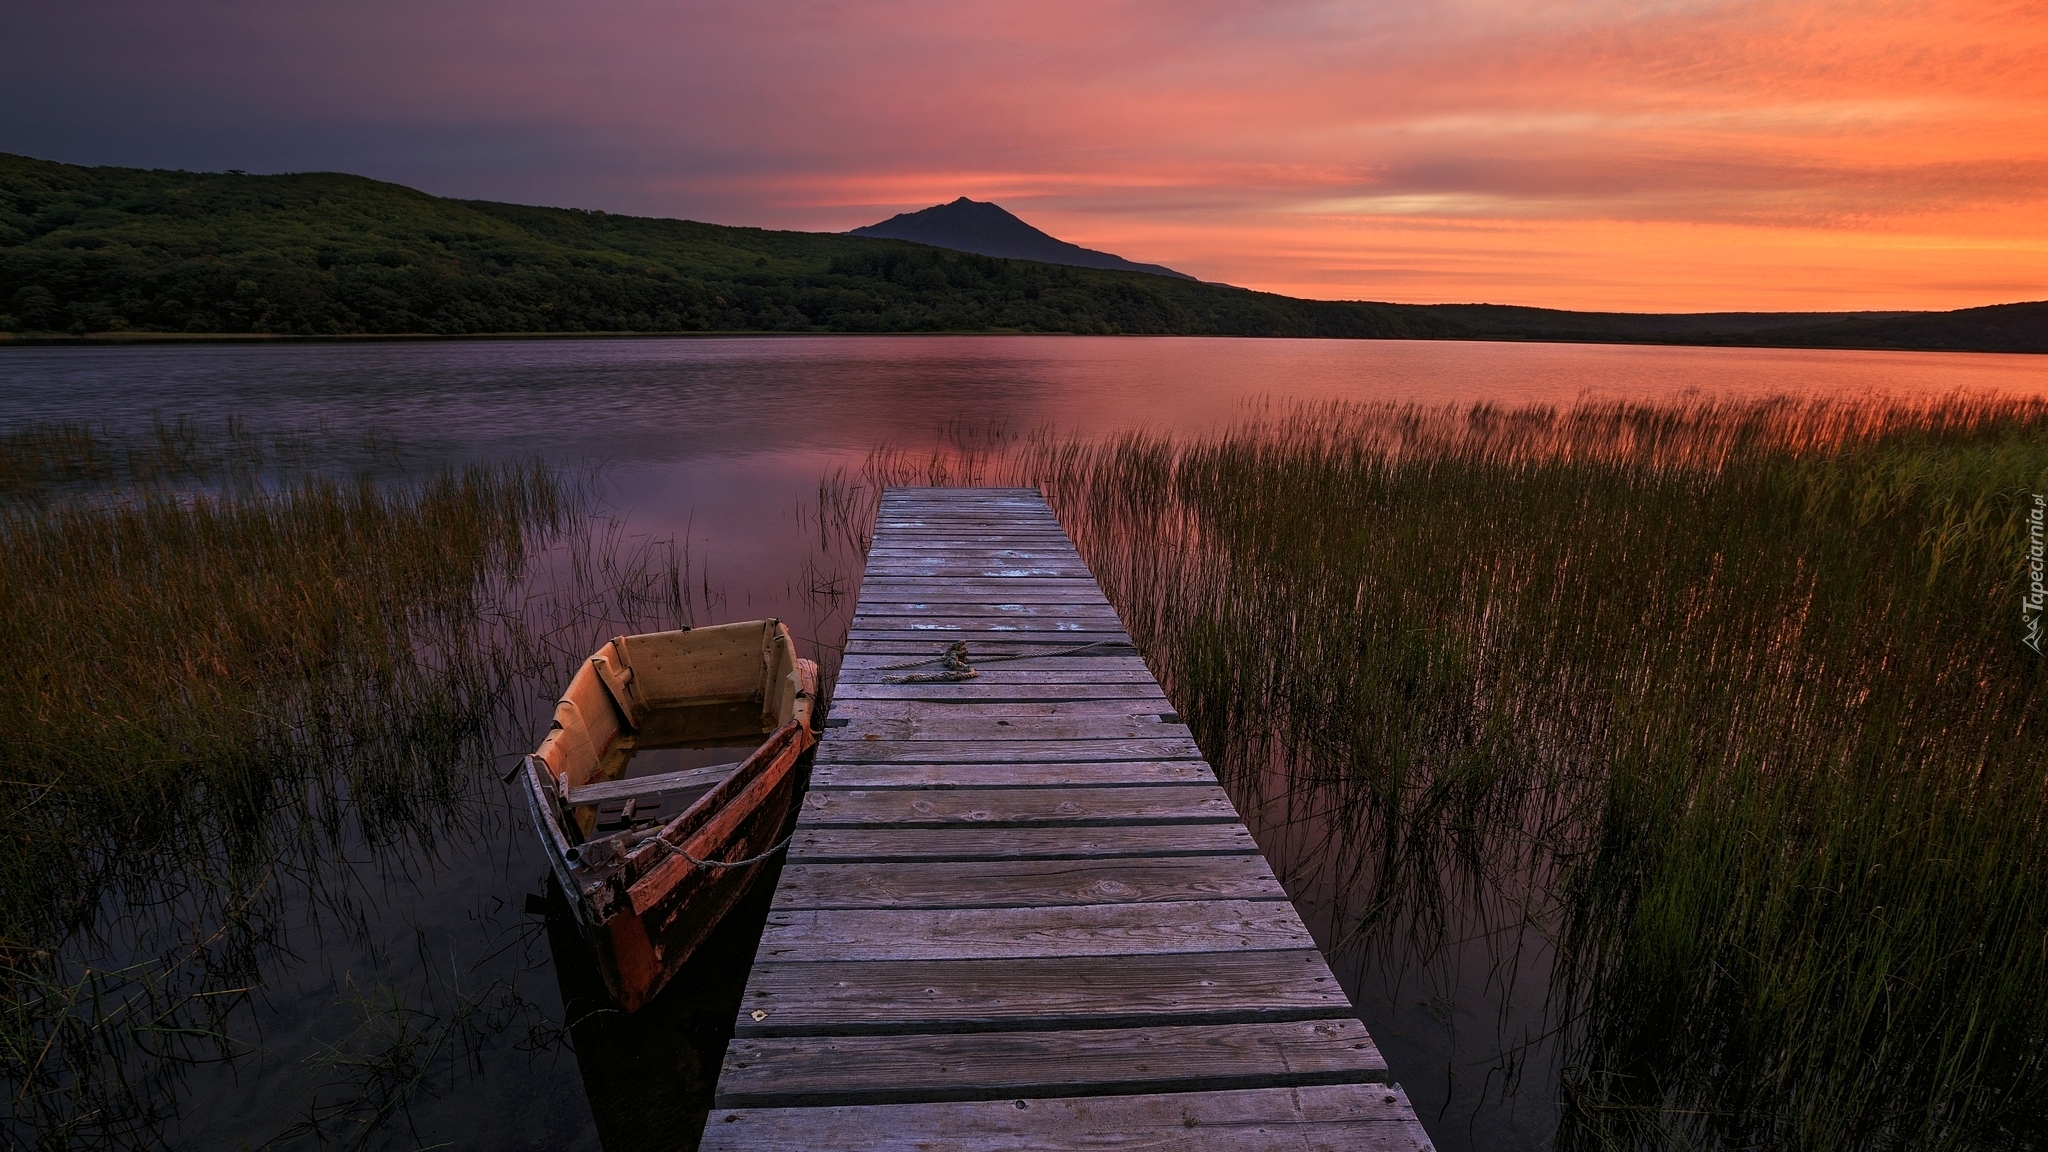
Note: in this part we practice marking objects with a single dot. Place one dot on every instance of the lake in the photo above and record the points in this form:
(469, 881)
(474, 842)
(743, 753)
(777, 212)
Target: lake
(721, 445)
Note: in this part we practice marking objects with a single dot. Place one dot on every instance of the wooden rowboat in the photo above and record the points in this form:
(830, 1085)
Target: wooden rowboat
(651, 863)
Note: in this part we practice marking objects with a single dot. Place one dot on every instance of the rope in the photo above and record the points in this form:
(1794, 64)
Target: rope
(958, 667)
(678, 850)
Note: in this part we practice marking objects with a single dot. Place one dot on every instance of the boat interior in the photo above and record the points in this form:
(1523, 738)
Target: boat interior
(651, 723)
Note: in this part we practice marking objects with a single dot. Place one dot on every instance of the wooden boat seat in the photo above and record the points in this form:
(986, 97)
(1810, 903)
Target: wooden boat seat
(619, 791)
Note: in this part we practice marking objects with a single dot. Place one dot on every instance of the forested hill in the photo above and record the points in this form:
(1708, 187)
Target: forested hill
(105, 249)
(100, 250)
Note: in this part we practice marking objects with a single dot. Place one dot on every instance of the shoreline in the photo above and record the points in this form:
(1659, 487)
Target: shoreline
(126, 339)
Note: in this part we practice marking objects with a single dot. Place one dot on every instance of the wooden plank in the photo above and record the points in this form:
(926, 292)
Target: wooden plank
(939, 728)
(990, 608)
(977, 545)
(1026, 883)
(941, 570)
(1014, 630)
(1011, 674)
(882, 589)
(986, 689)
(1067, 646)
(1016, 807)
(1015, 634)
(1016, 711)
(828, 1070)
(1096, 666)
(878, 997)
(878, 656)
(1331, 1118)
(690, 779)
(813, 935)
(879, 751)
(967, 532)
(1012, 775)
(1016, 845)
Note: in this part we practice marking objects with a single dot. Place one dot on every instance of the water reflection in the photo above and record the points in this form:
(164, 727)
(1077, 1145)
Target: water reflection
(379, 979)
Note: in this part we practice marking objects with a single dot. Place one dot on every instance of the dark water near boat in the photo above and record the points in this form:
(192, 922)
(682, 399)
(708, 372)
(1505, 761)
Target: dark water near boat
(721, 445)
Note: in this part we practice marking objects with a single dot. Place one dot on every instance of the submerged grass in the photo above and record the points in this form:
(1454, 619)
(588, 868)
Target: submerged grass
(1730, 698)
(228, 674)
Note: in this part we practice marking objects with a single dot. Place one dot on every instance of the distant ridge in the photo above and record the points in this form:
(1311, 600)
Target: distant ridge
(120, 254)
(987, 229)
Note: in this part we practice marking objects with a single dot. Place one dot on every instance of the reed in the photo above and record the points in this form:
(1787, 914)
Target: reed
(238, 676)
(1729, 701)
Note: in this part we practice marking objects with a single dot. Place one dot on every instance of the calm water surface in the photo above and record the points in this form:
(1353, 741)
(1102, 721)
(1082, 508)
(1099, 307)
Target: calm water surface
(721, 444)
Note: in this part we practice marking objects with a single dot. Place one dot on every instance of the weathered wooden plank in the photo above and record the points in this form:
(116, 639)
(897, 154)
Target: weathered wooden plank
(1075, 930)
(1012, 592)
(1014, 630)
(1069, 632)
(940, 571)
(1111, 842)
(1039, 593)
(931, 727)
(966, 707)
(1333, 1118)
(827, 1070)
(690, 779)
(1015, 807)
(1025, 883)
(1017, 775)
(978, 526)
(873, 997)
(1013, 674)
(976, 588)
(1042, 639)
(893, 655)
(1096, 666)
(1090, 619)
(1061, 552)
(879, 751)
(966, 532)
(954, 608)
(1016, 633)
(986, 689)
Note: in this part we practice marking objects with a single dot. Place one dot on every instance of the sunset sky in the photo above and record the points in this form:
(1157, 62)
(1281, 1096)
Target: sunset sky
(1653, 157)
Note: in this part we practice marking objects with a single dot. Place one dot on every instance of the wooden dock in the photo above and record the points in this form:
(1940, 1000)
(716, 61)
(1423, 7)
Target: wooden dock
(1018, 912)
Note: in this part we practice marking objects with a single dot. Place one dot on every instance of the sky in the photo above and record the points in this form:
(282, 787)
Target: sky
(1682, 156)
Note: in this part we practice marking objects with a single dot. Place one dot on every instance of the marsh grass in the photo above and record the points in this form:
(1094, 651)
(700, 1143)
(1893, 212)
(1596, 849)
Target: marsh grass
(236, 682)
(1725, 700)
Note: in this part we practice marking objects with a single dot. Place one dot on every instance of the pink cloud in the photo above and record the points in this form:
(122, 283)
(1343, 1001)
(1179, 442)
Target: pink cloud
(1808, 153)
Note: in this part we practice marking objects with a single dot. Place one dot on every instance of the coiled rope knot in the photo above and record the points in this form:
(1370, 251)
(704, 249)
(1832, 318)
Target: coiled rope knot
(955, 665)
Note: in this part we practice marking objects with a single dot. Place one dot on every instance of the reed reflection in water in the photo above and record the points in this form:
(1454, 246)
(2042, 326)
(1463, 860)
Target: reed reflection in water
(1696, 742)
(261, 877)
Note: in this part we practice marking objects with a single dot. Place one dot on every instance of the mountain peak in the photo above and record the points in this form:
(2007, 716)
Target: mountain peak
(989, 229)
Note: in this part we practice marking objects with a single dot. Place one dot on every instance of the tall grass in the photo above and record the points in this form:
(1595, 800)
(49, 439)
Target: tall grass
(230, 675)
(1729, 699)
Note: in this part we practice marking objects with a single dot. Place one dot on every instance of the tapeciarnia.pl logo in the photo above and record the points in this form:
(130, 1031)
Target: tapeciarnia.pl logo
(2036, 596)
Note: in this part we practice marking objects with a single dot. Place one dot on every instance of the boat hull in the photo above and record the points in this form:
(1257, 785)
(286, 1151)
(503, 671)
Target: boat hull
(648, 891)
(672, 909)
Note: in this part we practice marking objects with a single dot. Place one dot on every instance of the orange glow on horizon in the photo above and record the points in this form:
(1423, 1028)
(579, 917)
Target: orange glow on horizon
(1670, 155)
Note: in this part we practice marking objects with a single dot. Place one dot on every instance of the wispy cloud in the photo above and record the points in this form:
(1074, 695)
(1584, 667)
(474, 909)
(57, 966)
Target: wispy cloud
(1804, 153)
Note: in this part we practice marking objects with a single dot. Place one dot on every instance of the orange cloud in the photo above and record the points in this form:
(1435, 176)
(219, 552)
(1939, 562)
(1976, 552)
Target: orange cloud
(1689, 154)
